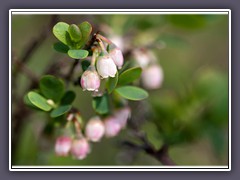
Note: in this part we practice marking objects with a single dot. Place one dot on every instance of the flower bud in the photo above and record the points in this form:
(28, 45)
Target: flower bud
(94, 129)
(106, 67)
(112, 126)
(80, 148)
(152, 77)
(118, 41)
(141, 57)
(63, 145)
(122, 116)
(116, 54)
(90, 79)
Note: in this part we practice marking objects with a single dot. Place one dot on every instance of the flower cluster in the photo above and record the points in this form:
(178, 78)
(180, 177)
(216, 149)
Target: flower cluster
(94, 131)
(104, 64)
(152, 75)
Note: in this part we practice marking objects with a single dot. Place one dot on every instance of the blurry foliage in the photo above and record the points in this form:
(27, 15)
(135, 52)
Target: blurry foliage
(191, 106)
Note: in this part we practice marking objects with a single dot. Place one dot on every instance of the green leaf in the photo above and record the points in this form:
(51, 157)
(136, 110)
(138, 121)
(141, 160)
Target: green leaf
(86, 30)
(68, 98)
(28, 102)
(38, 101)
(126, 66)
(129, 75)
(132, 93)
(85, 64)
(60, 111)
(78, 54)
(112, 83)
(75, 33)
(100, 104)
(153, 135)
(60, 31)
(52, 87)
(60, 47)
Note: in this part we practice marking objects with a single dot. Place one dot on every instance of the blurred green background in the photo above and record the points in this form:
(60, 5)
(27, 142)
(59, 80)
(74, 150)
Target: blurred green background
(189, 111)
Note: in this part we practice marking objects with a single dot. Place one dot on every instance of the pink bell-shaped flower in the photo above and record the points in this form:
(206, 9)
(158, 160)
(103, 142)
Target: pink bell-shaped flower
(90, 79)
(63, 145)
(94, 129)
(112, 126)
(122, 116)
(80, 148)
(116, 54)
(152, 77)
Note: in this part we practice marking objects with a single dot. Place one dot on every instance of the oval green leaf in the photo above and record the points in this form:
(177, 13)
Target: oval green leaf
(68, 98)
(38, 101)
(78, 54)
(52, 87)
(86, 29)
(60, 47)
(60, 30)
(112, 83)
(132, 93)
(28, 102)
(129, 75)
(85, 64)
(75, 33)
(60, 111)
(100, 104)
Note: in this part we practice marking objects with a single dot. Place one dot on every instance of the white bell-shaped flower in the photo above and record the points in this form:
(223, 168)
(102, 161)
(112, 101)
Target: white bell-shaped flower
(106, 66)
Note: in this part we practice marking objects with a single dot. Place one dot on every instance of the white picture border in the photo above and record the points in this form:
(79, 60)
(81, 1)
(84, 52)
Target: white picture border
(118, 11)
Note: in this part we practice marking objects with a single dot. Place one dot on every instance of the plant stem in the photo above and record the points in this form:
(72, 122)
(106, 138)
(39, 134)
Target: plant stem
(104, 39)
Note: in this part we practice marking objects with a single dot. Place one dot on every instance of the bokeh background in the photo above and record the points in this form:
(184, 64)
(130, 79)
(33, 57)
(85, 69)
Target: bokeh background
(189, 111)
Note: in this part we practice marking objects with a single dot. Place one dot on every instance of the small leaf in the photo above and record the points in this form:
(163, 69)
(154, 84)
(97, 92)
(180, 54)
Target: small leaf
(129, 75)
(52, 87)
(75, 33)
(85, 65)
(152, 134)
(60, 47)
(112, 83)
(68, 98)
(78, 54)
(86, 30)
(60, 30)
(132, 93)
(38, 101)
(100, 104)
(126, 66)
(60, 111)
(28, 102)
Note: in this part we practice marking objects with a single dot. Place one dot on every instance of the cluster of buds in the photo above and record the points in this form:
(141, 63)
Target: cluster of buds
(94, 131)
(104, 64)
(152, 75)
(79, 147)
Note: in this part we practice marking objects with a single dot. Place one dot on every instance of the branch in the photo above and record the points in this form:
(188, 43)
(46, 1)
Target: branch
(161, 154)
(70, 73)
